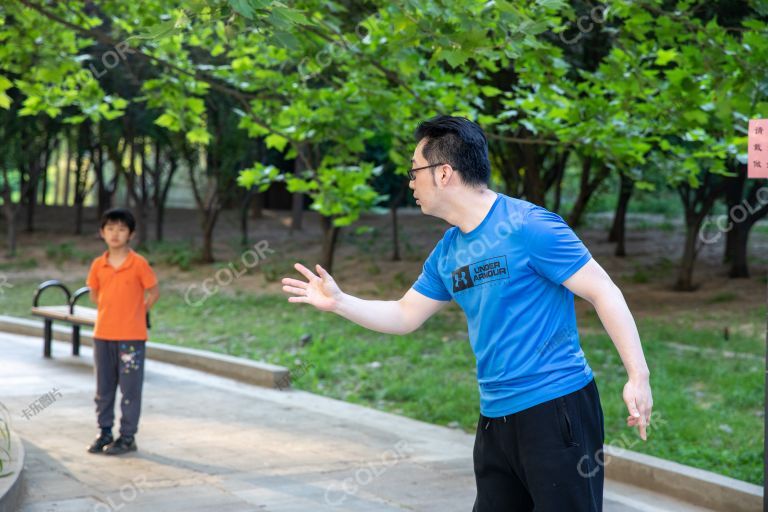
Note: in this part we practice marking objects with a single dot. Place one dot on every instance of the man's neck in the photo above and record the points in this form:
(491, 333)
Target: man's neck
(469, 208)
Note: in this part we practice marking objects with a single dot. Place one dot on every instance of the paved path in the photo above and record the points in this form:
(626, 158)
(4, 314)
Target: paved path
(212, 444)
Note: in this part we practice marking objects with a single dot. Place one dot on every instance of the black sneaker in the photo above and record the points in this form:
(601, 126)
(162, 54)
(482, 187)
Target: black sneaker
(123, 445)
(100, 442)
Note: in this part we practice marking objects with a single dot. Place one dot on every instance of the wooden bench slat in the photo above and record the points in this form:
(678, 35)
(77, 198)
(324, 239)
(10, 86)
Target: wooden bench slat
(54, 312)
(83, 315)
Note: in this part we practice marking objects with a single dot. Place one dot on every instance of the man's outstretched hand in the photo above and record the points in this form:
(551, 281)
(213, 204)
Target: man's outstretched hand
(318, 290)
(637, 397)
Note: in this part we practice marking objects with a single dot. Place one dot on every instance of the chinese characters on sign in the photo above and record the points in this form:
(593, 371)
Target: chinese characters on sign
(757, 153)
(41, 403)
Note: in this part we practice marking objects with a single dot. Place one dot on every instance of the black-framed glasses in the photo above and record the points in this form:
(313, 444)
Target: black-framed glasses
(412, 176)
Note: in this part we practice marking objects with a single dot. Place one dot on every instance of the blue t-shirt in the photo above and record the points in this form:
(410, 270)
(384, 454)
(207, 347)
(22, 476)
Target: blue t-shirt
(507, 274)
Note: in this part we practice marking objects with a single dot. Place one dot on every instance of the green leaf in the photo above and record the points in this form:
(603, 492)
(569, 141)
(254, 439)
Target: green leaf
(5, 84)
(243, 8)
(199, 136)
(490, 91)
(291, 15)
(74, 119)
(169, 121)
(663, 57)
(165, 29)
(276, 141)
(455, 57)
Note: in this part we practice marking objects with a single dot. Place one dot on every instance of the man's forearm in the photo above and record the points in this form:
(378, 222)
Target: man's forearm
(620, 326)
(385, 316)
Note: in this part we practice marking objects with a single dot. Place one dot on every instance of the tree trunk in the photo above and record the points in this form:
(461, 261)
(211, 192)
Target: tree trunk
(209, 223)
(38, 170)
(141, 223)
(81, 177)
(734, 191)
(257, 206)
(395, 236)
(697, 204)
(10, 220)
(393, 206)
(587, 188)
(68, 169)
(330, 238)
(685, 271)
(300, 165)
(534, 186)
(159, 221)
(79, 218)
(738, 238)
(43, 200)
(558, 190)
(161, 194)
(618, 229)
(103, 191)
(297, 211)
(31, 202)
(244, 209)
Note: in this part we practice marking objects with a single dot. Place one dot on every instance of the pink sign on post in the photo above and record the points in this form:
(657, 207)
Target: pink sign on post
(757, 167)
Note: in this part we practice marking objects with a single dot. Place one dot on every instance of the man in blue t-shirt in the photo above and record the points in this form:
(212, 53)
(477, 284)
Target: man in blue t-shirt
(514, 268)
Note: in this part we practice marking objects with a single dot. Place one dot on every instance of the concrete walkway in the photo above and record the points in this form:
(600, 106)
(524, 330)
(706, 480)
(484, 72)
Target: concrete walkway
(208, 443)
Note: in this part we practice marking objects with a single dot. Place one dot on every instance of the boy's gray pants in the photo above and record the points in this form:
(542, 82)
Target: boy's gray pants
(119, 363)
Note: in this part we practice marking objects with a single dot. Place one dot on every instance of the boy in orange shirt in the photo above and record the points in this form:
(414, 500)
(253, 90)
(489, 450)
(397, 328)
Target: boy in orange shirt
(124, 288)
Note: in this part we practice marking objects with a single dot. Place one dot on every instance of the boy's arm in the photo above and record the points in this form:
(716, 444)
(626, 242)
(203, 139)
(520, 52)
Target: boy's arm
(150, 296)
(391, 317)
(94, 296)
(594, 285)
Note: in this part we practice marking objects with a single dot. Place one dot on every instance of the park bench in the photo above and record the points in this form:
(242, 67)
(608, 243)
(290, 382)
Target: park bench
(69, 313)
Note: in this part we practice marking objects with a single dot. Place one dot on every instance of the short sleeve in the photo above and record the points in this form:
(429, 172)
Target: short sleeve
(429, 283)
(554, 250)
(92, 281)
(147, 275)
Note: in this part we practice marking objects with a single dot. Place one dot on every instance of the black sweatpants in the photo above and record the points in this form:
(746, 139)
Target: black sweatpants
(544, 458)
(119, 363)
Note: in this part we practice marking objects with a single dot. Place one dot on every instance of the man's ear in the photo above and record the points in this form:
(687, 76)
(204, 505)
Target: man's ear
(444, 174)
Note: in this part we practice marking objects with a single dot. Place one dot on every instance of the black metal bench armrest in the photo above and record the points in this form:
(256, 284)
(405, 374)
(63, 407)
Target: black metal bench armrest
(75, 296)
(50, 284)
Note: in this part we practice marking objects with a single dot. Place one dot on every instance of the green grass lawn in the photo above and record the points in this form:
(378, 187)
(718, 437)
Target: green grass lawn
(709, 406)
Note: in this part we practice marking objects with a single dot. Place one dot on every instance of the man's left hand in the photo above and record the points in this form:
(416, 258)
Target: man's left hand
(637, 396)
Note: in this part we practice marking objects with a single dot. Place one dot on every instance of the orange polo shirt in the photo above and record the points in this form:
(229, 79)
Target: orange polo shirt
(121, 311)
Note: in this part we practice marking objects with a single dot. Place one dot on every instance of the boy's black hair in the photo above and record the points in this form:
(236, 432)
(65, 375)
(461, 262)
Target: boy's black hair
(121, 215)
(459, 142)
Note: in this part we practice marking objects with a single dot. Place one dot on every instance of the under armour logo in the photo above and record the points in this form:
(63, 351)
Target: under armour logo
(462, 279)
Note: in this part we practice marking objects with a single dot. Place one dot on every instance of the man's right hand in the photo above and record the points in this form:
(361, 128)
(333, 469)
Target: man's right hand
(319, 290)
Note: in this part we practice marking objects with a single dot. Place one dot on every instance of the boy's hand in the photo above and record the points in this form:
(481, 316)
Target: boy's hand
(151, 296)
(320, 291)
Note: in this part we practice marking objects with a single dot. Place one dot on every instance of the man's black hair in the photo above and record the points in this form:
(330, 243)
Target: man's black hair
(459, 142)
(121, 215)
